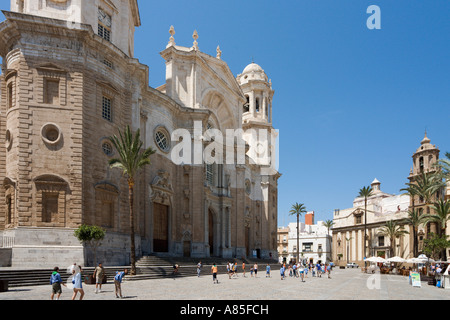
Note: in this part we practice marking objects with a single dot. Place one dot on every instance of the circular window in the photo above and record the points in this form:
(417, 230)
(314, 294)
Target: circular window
(51, 133)
(162, 139)
(107, 148)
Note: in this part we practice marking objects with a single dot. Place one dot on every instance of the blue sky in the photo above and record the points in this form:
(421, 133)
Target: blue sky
(351, 104)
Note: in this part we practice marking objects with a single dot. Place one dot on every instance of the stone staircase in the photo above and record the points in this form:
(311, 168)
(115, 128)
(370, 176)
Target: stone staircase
(147, 267)
(38, 277)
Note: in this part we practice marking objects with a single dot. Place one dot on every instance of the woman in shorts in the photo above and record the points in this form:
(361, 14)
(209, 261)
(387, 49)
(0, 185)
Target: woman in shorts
(77, 284)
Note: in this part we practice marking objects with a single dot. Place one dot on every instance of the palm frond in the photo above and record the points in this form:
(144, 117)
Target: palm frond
(131, 155)
(365, 192)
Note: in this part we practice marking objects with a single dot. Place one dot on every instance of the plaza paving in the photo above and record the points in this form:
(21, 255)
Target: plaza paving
(348, 284)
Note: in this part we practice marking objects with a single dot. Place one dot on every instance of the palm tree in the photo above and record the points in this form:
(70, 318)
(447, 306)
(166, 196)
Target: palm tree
(329, 224)
(297, 209)
(415, 219)
(444, 165)
(426, 185)
(365, 192)
(441, 216)
(132, 158)
(442, 210)
(392, 230)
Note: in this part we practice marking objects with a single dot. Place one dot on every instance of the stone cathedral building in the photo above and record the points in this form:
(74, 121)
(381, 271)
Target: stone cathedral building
(69, 81)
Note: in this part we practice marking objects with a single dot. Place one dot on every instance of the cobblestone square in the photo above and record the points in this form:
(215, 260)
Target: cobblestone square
(348, 284)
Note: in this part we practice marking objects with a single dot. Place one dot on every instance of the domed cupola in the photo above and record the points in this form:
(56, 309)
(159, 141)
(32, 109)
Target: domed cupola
(258, 91)
(252, 72)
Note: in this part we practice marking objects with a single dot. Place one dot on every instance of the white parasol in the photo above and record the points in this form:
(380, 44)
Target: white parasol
(414, 260)
(375, 259)
(396, 259)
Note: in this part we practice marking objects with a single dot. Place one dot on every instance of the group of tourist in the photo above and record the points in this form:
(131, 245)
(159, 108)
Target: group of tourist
(296, 270)
(76, 281)
(300, 270)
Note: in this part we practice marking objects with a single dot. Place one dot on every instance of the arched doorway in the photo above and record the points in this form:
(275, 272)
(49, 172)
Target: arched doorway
(160, 228)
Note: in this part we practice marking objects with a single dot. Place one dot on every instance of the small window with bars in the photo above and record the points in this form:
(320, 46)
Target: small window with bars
(104, 33)
(104, 25)
(108, 63)
(107, 109)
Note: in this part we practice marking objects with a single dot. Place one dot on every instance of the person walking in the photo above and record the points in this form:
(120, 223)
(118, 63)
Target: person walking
(214, 270)
(268, 271)
(319, 270)
(118, 283)
(199, 268)
(282, 269)
(328, 268)
(56, 282)
(99, 272)
(175, 270)
(243, 268)
(236, 269)
(302, 273)
(255, 269)
(77, 283)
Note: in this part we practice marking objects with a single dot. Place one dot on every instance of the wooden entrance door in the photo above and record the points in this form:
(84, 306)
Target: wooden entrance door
(160, 228)
(187, 249)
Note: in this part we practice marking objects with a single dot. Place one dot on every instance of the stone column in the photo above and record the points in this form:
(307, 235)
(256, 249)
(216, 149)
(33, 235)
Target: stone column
(251, 96)
(264, 105)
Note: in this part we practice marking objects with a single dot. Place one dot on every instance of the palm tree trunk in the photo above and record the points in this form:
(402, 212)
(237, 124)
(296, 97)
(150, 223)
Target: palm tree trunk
(132, 246)
(298, 234)
(392, 253)
(416, 246)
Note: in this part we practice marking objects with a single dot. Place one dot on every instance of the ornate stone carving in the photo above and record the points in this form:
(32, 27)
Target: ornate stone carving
(162, 190)
(247, 218)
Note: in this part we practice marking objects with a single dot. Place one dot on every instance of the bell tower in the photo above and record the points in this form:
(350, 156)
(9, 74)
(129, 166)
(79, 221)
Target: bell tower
(424, 159)
(257, 89)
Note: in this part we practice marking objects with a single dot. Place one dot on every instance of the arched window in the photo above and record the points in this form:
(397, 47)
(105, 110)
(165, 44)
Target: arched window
(247, 104)
(210, 173)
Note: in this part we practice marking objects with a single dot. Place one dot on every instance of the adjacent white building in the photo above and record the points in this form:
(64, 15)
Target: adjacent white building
(348, 228)
(314, 241)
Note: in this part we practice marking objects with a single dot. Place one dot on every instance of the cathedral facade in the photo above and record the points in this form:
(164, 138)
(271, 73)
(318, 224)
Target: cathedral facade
(69, 82)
